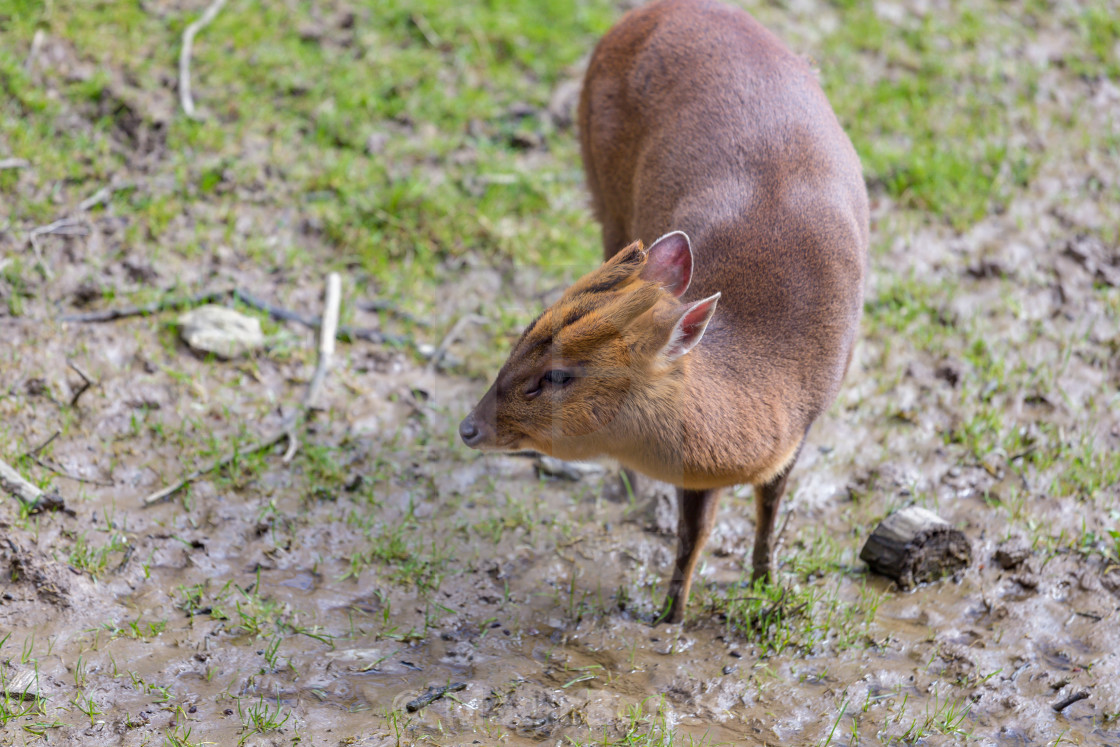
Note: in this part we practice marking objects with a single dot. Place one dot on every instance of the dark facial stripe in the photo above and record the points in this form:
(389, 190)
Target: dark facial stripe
(603, 286)
(575, 314)
(528, 329)
(545, 338)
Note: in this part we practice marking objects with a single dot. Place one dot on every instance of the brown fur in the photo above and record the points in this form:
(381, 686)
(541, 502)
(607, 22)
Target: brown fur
(693, 117)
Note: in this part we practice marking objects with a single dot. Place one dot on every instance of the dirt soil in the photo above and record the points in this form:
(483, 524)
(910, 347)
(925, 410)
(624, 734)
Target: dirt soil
(310, 601)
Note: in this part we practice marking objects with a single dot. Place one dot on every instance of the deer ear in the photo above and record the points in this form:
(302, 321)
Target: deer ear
(669, 262)
(690, 326)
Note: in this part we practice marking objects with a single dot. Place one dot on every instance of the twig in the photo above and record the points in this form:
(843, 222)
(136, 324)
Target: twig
(14, 163)
(390, 308)
(253, 448)
(71, 225)
(62, 227)
(433, 694)
(276, 312)
(327, 333)
(36, 45)
(39, 449)
(109, 315)
(287, 429)
(345, 333)
(1066, 702)
(425, 28)
(86, 383)
(33, 455)
(451, 336)
(63, 473)
(185, 57)
(102, 195)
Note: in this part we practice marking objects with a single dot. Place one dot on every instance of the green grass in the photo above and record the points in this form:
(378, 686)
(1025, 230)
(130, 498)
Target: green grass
(928, 128)
(434, 83)
(261, 717)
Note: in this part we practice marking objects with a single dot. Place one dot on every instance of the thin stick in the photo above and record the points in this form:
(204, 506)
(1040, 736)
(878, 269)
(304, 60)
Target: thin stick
(102, 195)
(36, 45)
(60, 227)
(327, 333)
(86, 383)
(253, 448)
(14, 163)
(39, 449)
(388, 307)
(185, 58)
(276, 312)
(63, 473)
(33, 455)
(1065, 703)
(70, 225)
(451, 336)
(109, 315)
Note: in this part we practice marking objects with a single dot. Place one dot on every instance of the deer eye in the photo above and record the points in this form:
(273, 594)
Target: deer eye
(557, 377)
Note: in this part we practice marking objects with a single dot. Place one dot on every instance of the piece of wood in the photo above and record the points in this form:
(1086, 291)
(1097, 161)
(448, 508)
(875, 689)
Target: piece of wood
(12, 482)
(433, 694)
(1066, 702)
(914, 546)
(20, 684)
(189, 34)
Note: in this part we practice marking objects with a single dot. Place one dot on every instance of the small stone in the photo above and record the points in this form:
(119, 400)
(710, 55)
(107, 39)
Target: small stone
(221, 331)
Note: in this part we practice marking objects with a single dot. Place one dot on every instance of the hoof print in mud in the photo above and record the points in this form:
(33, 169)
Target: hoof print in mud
(913, 546)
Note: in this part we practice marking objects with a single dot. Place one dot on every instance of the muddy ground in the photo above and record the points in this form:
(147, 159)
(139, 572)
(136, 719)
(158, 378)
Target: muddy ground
(310, 601)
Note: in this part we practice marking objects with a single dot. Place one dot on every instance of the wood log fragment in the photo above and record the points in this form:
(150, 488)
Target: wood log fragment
(18, 684)
(433, 694)
(914, 546)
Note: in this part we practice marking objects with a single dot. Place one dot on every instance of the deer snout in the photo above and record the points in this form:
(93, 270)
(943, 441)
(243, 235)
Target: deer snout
(479, 430)
(470, 432)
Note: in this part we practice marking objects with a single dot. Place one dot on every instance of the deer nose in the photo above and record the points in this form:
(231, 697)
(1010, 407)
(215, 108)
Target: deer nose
(468, 431)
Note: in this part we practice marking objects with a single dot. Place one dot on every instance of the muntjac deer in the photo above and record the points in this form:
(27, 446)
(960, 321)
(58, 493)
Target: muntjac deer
(704, 359)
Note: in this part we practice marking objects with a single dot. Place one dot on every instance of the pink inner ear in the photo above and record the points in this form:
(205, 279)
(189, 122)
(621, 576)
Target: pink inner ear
(691, 326)
(669, 262)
